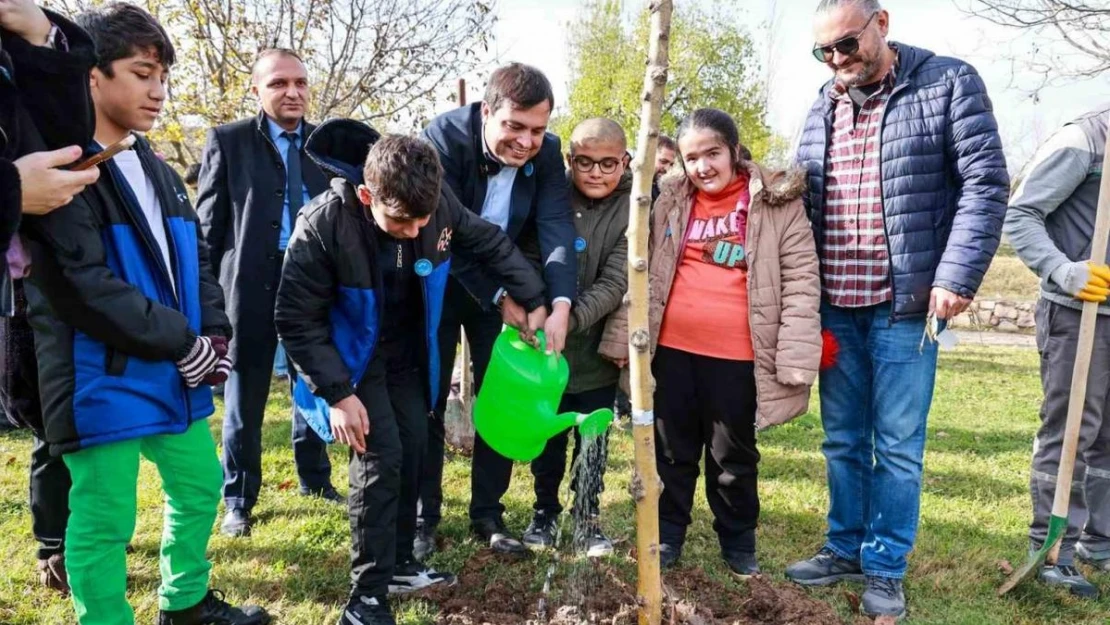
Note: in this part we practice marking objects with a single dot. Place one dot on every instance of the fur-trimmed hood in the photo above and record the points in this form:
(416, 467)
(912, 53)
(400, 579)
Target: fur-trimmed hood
(779, 187)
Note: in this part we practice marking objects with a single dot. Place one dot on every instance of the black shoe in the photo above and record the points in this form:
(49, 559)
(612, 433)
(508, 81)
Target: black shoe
(1067, 576)
(669, 555)
(883, 597)
(327, 494)
(213, 610)
(542, 530)
(742, 563)
(413, 576)
(237, 523)
(494, 532)
(424, 543)
(823, 569)
(367, 611)
(52, 573)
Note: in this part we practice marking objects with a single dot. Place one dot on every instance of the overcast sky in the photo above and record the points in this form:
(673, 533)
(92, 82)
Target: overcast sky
(534, 32)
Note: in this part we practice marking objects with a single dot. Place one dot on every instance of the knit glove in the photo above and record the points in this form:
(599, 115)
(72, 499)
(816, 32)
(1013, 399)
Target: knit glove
(1085, 281)
(223, 367)
(201, 361)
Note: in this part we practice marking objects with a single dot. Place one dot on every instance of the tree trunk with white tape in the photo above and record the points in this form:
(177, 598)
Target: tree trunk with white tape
(645, 481)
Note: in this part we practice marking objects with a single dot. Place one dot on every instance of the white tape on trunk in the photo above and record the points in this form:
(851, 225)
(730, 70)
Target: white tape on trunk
(643, 417)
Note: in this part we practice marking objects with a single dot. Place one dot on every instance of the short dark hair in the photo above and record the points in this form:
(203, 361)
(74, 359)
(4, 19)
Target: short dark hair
(723, 125)
(192, 174)
(523, 86)
(403, 173)
(120, 30)
(667, 143)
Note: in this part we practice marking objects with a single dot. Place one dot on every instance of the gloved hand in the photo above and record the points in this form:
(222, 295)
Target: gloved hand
(1084, 281)
(201, 361)
(223, 367)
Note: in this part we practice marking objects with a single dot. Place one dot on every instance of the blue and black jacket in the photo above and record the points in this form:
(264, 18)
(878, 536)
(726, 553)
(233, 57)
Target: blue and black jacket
(330, 303)
(109, 324)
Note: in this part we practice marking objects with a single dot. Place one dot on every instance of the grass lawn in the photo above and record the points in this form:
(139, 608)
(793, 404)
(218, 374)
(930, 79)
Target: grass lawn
(974, 513)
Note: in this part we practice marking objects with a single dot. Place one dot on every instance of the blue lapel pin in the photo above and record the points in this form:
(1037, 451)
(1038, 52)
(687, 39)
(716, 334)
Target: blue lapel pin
(529, 168)
(580, 244)
(423, 267)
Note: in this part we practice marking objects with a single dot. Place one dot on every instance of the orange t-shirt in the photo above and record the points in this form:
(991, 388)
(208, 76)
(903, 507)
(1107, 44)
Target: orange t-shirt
(707, 313)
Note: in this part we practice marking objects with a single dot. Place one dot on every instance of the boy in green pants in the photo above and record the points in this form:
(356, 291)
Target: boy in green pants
(130, 333)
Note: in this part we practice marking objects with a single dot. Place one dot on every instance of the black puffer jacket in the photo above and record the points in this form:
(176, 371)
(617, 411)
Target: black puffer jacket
(330, 302)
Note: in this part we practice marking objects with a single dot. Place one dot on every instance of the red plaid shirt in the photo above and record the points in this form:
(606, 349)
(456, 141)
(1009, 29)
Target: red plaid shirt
(855, 260)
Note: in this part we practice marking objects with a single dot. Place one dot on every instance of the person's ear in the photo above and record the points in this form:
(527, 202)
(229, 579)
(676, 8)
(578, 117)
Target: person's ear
(883, 20)
(364, 196)
(485, 111)
(570, 160)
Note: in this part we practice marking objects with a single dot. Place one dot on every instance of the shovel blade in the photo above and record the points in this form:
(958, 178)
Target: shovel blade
(1056, 528)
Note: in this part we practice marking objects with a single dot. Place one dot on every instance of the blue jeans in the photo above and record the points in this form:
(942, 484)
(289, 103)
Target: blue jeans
(874, 404)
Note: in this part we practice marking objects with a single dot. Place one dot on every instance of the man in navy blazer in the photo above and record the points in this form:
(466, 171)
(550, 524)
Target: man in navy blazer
(254, 178)
(502, 164)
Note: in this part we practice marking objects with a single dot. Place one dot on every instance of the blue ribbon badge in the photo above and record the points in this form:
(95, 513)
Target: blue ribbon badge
(580, 245)
(423, 267)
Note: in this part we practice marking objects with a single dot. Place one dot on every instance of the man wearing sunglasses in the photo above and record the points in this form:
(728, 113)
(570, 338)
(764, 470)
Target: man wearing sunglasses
(907, 193)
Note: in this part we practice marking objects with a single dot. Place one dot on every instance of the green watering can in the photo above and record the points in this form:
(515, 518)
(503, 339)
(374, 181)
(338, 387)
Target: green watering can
(515, 412)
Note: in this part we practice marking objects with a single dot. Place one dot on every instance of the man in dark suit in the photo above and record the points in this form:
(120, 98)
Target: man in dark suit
(501, 163)
(254, 179)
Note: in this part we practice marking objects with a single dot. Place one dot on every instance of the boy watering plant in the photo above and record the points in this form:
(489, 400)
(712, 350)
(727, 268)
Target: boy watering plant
(358, 310)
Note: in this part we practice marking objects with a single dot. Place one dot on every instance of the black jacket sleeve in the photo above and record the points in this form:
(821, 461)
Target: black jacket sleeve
(486, 244)
(71, 271)
(555, 225)
(54, 84)
(214, 200)
(305, 297)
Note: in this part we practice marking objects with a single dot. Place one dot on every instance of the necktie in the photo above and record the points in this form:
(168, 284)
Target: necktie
(294, 188)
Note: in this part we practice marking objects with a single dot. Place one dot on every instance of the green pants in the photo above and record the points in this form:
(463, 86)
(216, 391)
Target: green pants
(102, 520)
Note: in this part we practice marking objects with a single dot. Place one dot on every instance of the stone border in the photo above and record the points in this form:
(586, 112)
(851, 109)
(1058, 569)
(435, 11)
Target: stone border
(1000, 315)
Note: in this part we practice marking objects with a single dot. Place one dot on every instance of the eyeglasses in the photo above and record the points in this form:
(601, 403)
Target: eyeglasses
(846, 46)
(585, 164)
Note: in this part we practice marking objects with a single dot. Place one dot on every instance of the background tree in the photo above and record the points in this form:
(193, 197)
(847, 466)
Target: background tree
(381, 61)
(713, 62)
(1072, 35)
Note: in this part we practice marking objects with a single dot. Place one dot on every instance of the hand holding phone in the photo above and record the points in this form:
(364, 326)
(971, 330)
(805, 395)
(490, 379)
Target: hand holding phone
(46, 185)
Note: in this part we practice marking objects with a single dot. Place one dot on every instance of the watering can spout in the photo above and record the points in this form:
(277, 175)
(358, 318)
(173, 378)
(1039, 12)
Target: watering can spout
(516, 410)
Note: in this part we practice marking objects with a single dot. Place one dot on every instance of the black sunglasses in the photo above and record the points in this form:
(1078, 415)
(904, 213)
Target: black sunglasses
(846, 46)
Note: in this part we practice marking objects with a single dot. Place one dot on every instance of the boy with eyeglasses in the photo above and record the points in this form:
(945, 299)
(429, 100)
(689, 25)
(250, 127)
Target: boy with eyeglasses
(601, 186)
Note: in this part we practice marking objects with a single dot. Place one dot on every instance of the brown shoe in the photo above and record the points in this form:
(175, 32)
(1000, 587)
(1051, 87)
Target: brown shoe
(52, 573)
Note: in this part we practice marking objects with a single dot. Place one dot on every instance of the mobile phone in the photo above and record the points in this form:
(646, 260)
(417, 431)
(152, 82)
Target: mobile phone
(107, 153)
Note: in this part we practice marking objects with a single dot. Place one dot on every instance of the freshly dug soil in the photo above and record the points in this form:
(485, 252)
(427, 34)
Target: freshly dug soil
(492, 591)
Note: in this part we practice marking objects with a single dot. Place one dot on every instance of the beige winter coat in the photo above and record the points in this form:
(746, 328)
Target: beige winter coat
(784, 290)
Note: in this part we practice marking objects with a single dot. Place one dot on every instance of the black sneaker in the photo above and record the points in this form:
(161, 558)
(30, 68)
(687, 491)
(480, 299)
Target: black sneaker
(237, 523)
(823, 569)
(541, 531)
(213, 610)
(493, 531)
(669, 555)
(363, 610)
(1067, 576)
(883, 597)
(741, 563)
(424, 543)
(327, 494)
(413, 576)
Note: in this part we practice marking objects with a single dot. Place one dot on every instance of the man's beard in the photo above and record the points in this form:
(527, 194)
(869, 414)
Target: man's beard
(866, 75)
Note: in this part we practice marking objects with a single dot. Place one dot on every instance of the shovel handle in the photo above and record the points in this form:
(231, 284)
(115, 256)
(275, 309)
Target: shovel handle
(1087, 322)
